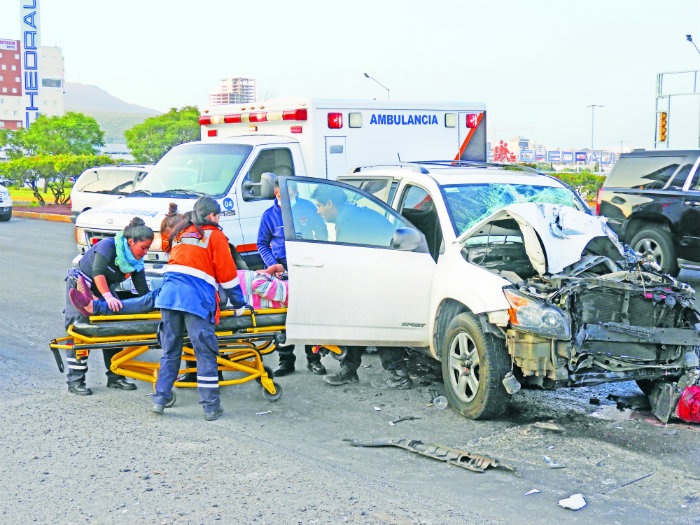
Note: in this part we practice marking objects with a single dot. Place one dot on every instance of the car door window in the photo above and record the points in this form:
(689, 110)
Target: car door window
(343, 214)
(695, 183)
(383, 188)
(418, 207)
(678, 180)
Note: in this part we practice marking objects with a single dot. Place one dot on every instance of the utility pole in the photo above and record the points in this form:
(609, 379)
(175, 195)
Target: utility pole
(593, 106)
(689, 38)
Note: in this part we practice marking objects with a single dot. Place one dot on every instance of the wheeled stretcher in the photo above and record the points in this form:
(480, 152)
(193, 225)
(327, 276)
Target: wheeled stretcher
(243, 340)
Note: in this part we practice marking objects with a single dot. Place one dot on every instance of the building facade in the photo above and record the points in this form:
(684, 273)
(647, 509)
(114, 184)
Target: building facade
(235, 90)
(48, 84)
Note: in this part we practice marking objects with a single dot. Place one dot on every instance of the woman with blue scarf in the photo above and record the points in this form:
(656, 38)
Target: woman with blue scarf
(101, 269)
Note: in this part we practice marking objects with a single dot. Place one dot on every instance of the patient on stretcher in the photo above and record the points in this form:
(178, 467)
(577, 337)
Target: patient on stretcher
(262, 290)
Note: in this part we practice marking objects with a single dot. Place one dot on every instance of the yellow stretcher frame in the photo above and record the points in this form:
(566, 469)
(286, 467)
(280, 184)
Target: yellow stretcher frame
(240, 351)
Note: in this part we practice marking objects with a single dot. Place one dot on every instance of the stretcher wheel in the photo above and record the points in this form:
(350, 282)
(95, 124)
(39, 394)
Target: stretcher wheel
(275, 396)
(172, 400)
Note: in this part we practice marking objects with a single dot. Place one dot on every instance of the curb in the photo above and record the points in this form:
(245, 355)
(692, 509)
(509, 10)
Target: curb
(44, 216)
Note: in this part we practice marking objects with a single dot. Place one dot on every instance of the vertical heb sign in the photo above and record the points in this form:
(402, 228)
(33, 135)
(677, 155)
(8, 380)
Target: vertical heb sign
(29, 12)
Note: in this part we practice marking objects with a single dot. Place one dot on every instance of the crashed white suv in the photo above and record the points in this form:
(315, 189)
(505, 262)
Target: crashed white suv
(501, 274)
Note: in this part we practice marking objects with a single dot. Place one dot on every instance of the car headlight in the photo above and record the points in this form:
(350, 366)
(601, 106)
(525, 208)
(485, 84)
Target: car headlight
(535, 316)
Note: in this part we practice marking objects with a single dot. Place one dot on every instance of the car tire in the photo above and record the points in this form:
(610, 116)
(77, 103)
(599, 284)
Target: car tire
(478, 393)
(658, 243)
(6, 217)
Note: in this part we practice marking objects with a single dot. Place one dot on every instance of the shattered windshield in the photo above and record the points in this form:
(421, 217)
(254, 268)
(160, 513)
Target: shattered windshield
(196, 169)
(468, 204)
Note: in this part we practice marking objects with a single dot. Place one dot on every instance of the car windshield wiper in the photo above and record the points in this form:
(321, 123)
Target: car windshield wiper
(185, 192)
(141, 192)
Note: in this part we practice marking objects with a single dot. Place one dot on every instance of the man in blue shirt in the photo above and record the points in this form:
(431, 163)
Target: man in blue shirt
(308, 224)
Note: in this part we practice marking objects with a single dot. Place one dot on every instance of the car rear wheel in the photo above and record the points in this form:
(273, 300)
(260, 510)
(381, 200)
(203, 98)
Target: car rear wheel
(473, 366)
(6, 216)
(657, 243)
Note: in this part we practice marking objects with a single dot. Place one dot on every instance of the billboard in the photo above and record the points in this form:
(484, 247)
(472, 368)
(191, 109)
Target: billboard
(31, 40)
(9, 45)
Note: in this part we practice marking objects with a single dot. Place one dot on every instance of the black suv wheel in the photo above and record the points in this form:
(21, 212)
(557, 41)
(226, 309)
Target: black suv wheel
(656, 242)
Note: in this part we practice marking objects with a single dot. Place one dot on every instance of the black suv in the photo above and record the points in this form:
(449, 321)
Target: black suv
(652, 200)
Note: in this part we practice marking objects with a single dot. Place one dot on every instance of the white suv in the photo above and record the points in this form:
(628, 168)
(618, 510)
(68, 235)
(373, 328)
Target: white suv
(5, 204)
(103, 184)
(501, 274)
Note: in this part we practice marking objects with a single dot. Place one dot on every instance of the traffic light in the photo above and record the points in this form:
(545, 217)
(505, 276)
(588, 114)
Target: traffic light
(663, 125)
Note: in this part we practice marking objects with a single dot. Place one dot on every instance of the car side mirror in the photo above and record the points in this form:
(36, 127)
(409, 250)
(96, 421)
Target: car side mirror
(263, 190)
(408, 240)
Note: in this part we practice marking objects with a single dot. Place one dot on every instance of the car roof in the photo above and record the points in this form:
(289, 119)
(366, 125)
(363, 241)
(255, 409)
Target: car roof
(253, 140)
(445, 173)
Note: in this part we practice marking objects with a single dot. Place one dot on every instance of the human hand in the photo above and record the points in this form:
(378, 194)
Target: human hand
(113, 303)
(276, 269)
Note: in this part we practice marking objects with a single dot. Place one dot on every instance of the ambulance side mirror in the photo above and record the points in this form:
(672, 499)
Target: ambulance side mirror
(256, 191)
(267, 185)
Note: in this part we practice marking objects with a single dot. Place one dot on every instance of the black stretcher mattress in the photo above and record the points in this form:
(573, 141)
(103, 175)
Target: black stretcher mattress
(227, 324)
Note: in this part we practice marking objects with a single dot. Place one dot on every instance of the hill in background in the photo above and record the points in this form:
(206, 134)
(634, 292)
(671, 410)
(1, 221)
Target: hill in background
(112, 114)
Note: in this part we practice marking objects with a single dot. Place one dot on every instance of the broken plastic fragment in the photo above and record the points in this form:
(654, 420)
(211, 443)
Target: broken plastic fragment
(573, 502)
(551, 463)
(533, 491)
(378, 409)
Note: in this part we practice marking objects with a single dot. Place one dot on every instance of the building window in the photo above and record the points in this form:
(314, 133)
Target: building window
(14, 90)
(2, 78)
(4, 67)
(14, 68)
(16, 79)
(4, 90)
(2, 123)
(16, 56)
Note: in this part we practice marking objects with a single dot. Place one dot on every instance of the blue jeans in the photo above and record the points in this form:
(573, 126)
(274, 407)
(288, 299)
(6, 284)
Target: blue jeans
(137, 305)
(206, 349)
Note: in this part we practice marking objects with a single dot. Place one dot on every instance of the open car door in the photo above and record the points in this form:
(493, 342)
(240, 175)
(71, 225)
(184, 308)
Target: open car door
(359, 273)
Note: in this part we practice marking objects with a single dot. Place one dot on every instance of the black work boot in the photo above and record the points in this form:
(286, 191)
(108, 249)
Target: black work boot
(79, 389)
(342, 377)
(120, 383)
(316, 367)
(285, 367)
(393, 380)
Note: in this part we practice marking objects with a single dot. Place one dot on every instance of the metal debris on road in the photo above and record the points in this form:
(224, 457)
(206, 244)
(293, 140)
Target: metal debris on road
(531, 492)
(573, 502)
(551, 463)
(451, 456)
(263, 413)
(404, 418)
(378, 409)
(630, 482)
(548, 426)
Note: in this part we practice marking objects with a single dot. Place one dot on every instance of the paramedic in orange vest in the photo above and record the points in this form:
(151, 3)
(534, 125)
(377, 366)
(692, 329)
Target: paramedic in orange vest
(200, 260)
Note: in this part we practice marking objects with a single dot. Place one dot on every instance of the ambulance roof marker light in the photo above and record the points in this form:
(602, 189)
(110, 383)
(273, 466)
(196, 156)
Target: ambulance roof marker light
(295, 129)
(335, 120)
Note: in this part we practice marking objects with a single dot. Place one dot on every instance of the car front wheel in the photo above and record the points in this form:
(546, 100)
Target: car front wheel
(6, 216)
(473, 366)
(657, 243)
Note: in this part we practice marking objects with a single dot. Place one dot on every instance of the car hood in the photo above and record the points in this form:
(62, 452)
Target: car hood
(117, 214)
(554, 235)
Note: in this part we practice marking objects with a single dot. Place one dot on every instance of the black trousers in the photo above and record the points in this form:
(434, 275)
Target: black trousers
(391, 357)
(287, 354)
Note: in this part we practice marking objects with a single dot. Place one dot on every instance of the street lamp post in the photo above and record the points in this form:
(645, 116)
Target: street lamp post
(593, 106)
(377, 81)
(689, 38)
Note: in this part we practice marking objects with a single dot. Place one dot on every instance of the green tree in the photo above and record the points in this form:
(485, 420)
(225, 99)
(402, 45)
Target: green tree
(71, 134)
(56, 169)
(155, 136)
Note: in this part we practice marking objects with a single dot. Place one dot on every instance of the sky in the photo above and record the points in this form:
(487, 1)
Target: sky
(536, 65)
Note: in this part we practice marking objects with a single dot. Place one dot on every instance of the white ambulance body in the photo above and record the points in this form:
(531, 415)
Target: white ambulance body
(297, 136)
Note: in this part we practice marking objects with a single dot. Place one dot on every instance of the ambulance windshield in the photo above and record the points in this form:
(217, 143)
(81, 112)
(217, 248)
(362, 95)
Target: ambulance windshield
(204, 169)
(469, 204)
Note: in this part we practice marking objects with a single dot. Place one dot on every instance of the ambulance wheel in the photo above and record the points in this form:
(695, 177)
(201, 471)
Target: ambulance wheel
(269, 373)
(275, 396)
(172, 400)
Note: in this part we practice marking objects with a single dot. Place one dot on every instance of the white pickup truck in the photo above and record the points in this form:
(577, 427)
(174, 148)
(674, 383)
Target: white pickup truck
(501, 274)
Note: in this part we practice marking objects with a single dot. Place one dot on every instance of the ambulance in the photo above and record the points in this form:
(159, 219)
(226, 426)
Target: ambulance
(307, 137)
